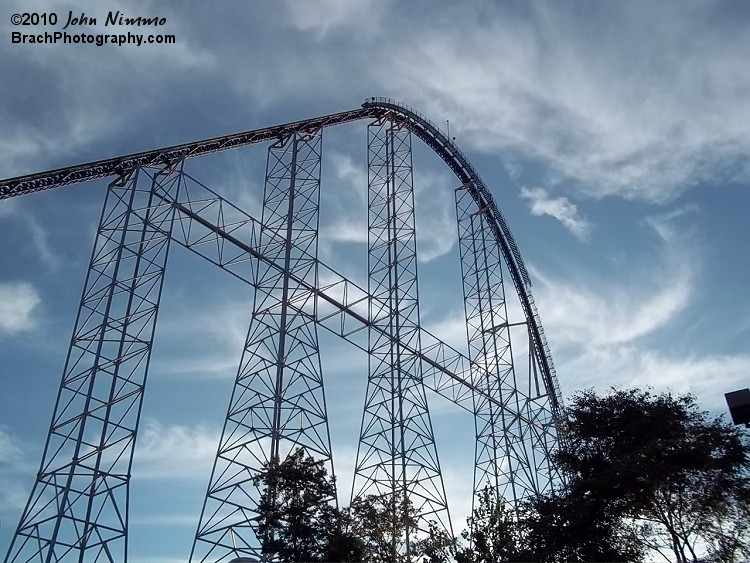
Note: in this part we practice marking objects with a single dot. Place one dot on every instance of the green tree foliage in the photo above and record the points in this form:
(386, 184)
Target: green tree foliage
(647, 473)
(343, 544)
(387, 526)
(383, 523)
(567, 527)
(437, 547)
(493, 534)
(297, 521)
(653, 472)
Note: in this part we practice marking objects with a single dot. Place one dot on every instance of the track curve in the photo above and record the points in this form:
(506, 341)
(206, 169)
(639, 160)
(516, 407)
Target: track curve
(446, 149)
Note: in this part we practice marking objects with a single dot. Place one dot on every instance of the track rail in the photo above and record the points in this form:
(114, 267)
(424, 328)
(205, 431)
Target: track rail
(374, 107)
(122, 164)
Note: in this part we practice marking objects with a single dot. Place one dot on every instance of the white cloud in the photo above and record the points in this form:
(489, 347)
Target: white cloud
(644, 109)
(15, 466)
(175, 451)
(346, 229)
(40, 240)
(599, 332)
(435, 214)
(707, 376)
(347, 195)
(575, 313)
(580, 312)
(559, 208)
(450, 328)
(325, 15)
(18, 301)
(10, 449)
(13, 209)
(209, 341)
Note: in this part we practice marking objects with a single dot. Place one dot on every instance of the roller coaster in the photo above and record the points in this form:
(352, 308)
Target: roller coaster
(78, 509)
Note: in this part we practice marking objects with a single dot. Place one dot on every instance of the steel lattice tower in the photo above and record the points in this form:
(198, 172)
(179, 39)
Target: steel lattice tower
(397, 458)
(78, 507)
(278, 403)
(511, 443)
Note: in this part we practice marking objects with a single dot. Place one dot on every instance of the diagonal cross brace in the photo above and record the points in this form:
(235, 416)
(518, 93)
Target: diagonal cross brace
(446, 370)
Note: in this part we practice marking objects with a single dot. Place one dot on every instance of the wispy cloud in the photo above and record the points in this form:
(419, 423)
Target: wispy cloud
(347, 194)
(644, 109)
(208, 341)
(604, 334)
(450, 327)
(577, 314)
(344, 199)
(14, 210)
(559, 208)
(175, 451)
(581, 312)
(435, 214)
(15, 464)
(18, 302)
(708, 376)
(325, 16)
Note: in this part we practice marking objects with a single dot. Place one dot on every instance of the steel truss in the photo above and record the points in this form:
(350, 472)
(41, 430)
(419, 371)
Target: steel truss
(227, 236)
(513, 443)
(278, 403)
(78, 508)
(433, 137)
(397, 459)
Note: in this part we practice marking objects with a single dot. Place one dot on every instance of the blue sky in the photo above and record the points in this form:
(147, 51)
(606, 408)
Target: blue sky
(615, 139)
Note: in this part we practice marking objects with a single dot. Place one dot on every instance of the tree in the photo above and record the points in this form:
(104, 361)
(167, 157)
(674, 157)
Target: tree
(552, 528)
(383, 524)
(437, 547)
(659, 470)
(565, 526)
(387, 527)
(342, 543)
(493, 534)
(296, 520)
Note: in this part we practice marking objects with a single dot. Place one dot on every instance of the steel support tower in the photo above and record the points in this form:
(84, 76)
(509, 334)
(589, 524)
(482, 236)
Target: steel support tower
(278, 403)
(397, 459)
(79, 505)
(78, 508)
(512, 442)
